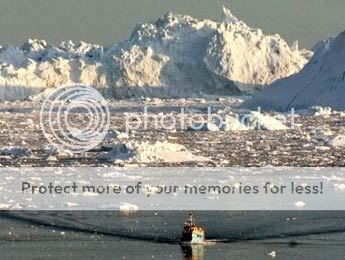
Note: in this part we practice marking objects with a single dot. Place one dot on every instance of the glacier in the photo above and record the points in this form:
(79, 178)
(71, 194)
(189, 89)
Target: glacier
(175, 56)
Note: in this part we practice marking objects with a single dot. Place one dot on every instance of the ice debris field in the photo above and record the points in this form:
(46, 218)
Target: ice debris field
(182, 62)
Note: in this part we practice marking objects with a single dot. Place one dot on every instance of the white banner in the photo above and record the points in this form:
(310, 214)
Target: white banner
(134, 189)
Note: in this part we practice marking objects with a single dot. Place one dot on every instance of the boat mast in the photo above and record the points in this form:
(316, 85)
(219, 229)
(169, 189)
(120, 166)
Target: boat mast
(191, 221)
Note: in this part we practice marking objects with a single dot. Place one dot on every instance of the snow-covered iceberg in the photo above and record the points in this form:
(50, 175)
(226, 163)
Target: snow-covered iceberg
(177, 55)
(144, 152)
(320, 83)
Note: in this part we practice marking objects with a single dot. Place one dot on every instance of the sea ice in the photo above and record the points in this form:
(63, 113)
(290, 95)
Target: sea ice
(300, 204)
(16, 152)
(258, 121)
(145, 152)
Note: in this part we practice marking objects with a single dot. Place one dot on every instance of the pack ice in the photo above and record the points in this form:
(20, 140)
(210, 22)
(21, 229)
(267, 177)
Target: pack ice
(320, 83)
(177, 55)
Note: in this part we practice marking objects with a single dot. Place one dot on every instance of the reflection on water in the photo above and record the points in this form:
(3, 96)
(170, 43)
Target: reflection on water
(193, 252)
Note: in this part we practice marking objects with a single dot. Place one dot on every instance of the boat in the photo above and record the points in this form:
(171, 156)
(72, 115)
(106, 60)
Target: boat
(192, 234)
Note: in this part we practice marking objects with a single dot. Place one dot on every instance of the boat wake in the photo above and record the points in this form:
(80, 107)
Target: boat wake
(221, 227)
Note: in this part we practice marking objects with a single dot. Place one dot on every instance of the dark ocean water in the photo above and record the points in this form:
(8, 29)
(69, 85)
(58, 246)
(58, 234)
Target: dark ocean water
(155, 235)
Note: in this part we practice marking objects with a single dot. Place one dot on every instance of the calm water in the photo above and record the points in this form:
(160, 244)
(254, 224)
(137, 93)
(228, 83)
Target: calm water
(150, 235)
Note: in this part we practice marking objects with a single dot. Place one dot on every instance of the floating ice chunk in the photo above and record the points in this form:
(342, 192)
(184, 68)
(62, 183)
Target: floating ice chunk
(126, 207)
(322, 132)
(322, 148)
(5, 206)
(52, 159)
(229, 124)
(320, 111)
(53, 151)
(116, 152)
(273, 254)
(300, 204)
(164, 152)
(71, 204)
(145, 152)
(256, 120)
(233, 124)
(339, 186)
(114, 134)
(337, 142)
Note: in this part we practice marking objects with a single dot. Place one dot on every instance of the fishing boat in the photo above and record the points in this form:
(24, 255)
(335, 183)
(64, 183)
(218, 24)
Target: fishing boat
(192, 234)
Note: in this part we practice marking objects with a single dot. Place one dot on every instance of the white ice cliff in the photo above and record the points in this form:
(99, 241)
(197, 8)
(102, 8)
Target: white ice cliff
(178, 55)
(320, 83)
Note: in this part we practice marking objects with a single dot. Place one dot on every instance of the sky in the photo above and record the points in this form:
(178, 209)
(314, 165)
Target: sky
(107, 21)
